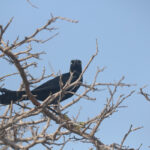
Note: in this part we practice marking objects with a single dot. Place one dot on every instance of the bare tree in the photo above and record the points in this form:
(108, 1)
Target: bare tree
(24, 128)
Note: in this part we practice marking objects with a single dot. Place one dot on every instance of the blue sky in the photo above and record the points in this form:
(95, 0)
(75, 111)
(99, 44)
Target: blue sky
(123, 32)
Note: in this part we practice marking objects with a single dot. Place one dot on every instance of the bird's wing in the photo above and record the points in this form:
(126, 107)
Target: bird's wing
(53, 84)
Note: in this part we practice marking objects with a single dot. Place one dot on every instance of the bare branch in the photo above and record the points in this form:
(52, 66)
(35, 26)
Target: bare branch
(2, 31)
(34, 6)
(146, 95)
(8, 75)
(126, 135)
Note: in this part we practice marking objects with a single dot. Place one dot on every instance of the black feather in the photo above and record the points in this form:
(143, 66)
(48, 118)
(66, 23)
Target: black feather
(50, 87)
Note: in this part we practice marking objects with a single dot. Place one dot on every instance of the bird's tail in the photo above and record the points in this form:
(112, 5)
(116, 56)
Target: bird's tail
(6, 96)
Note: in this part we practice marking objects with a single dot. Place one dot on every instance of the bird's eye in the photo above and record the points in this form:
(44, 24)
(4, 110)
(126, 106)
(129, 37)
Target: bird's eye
(72, 61)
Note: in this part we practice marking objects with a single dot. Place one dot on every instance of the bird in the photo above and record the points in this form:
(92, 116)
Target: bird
(48, 88)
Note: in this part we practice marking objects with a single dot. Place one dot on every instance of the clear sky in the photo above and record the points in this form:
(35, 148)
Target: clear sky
(122, 28)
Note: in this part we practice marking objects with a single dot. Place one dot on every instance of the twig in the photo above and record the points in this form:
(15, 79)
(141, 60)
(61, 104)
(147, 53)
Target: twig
(126, 135)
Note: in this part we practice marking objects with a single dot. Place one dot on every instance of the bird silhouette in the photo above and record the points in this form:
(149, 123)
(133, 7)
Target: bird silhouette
(48, 88)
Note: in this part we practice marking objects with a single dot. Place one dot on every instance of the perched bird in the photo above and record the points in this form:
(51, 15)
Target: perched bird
(50, 87)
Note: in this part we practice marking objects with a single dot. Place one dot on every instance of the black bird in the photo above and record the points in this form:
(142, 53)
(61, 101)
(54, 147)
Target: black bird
(50, 87)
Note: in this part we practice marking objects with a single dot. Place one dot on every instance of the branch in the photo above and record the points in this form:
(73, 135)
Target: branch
(146, 95)
(126, 135)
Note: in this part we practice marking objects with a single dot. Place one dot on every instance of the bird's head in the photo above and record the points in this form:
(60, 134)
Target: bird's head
(76, 66)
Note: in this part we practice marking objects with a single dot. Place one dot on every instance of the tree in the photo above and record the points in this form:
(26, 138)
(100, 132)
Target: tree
(24, 128)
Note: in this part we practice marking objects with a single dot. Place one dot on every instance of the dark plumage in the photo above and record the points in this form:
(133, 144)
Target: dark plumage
(50, 87)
